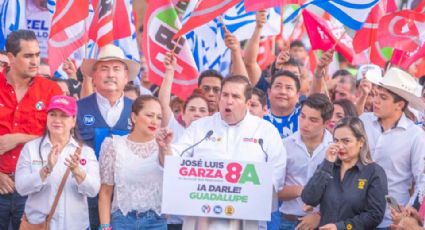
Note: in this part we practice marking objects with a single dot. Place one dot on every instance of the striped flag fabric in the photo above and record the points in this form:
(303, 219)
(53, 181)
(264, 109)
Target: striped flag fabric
(101, 29)
(110, 22)
(242, 24)
(12, 17)
(206, 11)
(351, 13)
(68, 30)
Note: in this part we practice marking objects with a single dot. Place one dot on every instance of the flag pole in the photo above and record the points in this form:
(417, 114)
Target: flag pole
(178, 39)
(324, 72)
(222, 24)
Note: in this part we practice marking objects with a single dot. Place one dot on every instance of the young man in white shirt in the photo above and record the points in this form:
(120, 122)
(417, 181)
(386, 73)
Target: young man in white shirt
(396, 143)
(235, 136)
(306, 150)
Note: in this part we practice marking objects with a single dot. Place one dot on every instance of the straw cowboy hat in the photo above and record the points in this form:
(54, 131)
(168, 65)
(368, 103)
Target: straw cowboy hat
(110, 53)
(402, 84)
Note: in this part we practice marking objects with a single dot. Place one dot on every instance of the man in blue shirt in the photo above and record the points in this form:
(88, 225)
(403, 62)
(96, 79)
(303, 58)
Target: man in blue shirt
(284, 107)
(107, 111)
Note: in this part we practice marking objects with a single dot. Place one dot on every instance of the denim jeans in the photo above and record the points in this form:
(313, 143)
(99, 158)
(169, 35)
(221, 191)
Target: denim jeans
(93, 212)
(11, 210)
(288, 224)
(274, 222)
(138, 221)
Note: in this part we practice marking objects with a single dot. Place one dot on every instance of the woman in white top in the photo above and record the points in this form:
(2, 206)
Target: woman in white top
(130, 170)
(42, 164)
(195, 106)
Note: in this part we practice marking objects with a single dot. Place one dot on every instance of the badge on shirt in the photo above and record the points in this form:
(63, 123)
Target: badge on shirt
(214, 139)
(362, 183)
(39, 105)
(83, 162)
(349, 226)
(88, 119)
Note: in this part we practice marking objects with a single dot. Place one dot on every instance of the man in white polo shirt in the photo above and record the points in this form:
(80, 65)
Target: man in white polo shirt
(233, 134)
(396, 143)
(306, 150)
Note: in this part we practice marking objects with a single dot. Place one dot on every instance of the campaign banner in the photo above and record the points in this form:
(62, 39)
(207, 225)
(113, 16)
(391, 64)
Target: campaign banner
(217, 188)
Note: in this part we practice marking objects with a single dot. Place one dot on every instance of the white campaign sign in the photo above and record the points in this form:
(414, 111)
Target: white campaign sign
(217, 188)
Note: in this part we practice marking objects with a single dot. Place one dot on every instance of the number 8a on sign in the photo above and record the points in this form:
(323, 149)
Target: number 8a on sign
(237, 174)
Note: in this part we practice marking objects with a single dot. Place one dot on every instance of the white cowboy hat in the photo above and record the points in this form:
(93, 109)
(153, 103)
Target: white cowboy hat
(109, 53)
(402, 84)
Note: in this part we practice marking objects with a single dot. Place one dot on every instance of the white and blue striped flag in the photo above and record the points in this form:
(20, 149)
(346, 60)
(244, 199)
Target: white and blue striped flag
(12, 17)
(351, 13)
(207, 41)
(242, 24)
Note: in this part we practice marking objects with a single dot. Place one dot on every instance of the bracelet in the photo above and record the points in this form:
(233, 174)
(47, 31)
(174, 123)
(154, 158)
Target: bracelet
(105, 227)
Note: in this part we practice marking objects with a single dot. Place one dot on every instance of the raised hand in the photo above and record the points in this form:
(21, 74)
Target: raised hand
(170, 61)
(332, 152)
(231, 41)
(52, 158)
(260, 18)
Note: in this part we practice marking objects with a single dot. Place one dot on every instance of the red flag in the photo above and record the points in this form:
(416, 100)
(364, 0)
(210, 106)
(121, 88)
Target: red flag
(391, 6)
(68, 31)
(255, 5)
(265, 55)
(160, 25)
(367, 35)
(420, 7)
(205, 12)
(323, 35)
(110, 22)
(67, 13)
(404, 58)
(376, 55)
(403, 30)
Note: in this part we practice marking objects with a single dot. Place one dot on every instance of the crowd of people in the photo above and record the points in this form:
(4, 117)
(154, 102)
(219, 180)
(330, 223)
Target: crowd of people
(88, 152)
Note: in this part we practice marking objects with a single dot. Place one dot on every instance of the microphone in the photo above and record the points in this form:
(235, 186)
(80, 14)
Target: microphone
(260, 141)
(209, 134)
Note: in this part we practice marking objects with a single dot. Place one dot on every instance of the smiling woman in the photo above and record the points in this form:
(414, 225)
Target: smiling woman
(130, 170)
(44, 164)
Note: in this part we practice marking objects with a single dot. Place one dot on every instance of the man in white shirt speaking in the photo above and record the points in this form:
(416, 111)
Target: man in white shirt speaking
(231, 134)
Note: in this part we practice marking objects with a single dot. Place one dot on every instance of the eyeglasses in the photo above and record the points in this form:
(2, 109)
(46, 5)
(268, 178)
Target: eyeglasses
(207, 89)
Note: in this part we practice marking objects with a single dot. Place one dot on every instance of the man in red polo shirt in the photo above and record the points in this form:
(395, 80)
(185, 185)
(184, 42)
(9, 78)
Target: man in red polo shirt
(23, 100)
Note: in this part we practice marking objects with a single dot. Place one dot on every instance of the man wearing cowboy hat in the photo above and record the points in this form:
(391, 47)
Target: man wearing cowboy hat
(107, 111)
(396, 143)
